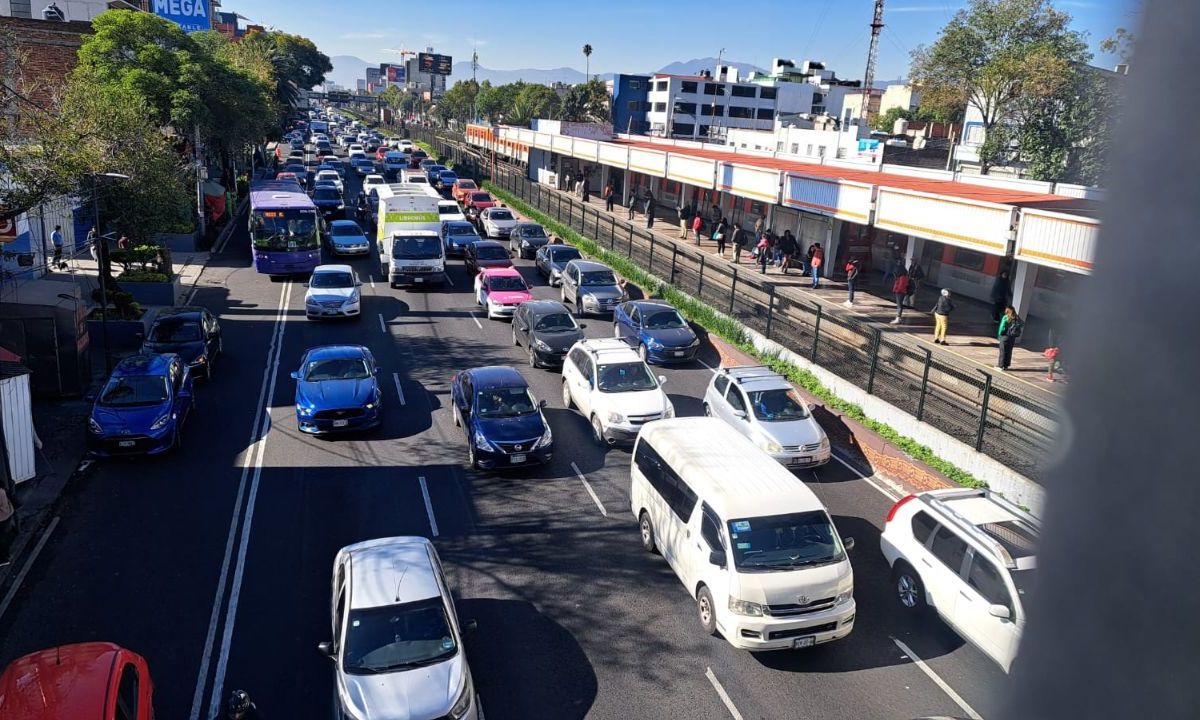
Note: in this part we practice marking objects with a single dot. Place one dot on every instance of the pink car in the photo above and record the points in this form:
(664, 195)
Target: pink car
(500, 291)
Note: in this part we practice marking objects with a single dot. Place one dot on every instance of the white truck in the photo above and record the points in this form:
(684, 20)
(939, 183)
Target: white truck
(408, 230)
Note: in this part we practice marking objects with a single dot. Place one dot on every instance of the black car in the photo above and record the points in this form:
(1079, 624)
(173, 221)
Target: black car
(192, 333)
(547, 330)
(457, 235)
(526, 238)
(415, 157)
(328, 200)
(485, 254)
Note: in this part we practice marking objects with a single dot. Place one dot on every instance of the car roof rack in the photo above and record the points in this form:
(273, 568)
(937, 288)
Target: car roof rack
(742, 373)
(939, 501)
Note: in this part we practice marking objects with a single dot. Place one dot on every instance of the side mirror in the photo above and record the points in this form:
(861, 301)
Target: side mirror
(848, 543)
(326, 649)
(295, 374)
(470, 625)
(662, 379)
(739, 414)
(716, 557)
(583, 326)
(541, 403)
(1000, 611)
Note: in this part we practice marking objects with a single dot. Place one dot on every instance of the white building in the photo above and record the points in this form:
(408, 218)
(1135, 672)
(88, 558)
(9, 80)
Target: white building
(810, 139)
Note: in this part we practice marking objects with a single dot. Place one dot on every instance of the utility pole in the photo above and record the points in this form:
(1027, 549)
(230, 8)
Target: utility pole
(716, 87)
(869, 75)
(199, 177)
(474, 82)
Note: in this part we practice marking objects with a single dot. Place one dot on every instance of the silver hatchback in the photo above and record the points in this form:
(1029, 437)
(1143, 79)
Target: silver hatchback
(762, 405)
(591, 287)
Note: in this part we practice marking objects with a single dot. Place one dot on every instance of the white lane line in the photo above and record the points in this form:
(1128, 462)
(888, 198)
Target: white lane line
(33, 556)
(708, 673)
(449, 280)
(399, 390)
(273, 349)
(962, 704)
(382, 325)
(892, 491)
(428, 506)
(710, 367)
(588, 487)
(372, 283)
(476, 321)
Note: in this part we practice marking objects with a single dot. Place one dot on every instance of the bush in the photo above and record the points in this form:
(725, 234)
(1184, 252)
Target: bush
(143, 276)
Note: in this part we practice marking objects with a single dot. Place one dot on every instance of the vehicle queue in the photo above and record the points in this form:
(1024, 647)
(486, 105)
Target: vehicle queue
(754, 547)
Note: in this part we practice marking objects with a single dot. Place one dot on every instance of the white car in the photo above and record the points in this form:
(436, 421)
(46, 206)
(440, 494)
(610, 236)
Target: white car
(406, 145)
(333, 291)
(331, 176)
(969, 555)
(372, 180)
(449, 211)
(611, 386)
(497, 222)
(356, 151)
(762, 405)
(397, 641)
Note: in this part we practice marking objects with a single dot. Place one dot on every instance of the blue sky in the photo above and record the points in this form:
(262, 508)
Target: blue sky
(641, 35)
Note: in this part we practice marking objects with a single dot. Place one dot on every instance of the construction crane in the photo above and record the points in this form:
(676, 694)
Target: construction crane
(869, 76)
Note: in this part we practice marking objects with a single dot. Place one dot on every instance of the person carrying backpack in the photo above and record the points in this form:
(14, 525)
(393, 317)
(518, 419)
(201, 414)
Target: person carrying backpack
(941, 317)
(1011, 327)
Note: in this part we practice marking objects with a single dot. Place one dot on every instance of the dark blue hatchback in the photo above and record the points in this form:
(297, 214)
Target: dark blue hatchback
(656, 330)
(142, 408)
(337, 390)
(503, 423)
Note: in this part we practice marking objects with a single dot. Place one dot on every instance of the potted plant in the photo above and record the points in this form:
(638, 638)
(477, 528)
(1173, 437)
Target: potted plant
(125, 323)
(147, 274)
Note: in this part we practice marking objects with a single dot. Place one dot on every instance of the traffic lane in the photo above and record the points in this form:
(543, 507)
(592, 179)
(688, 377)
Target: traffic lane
(136, 555)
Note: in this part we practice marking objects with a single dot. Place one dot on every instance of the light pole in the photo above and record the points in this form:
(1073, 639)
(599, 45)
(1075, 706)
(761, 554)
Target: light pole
(102, 264)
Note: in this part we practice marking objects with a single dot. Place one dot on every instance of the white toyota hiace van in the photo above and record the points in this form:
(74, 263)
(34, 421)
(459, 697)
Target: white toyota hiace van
(748, 539)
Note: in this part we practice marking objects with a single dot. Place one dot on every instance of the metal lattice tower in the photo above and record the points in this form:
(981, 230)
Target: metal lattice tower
(869, 76)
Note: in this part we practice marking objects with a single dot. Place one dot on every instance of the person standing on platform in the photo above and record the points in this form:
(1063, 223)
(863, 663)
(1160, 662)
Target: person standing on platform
(941, 317)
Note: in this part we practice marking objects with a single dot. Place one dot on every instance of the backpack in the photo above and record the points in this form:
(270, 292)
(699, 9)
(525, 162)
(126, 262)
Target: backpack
(1014, 328)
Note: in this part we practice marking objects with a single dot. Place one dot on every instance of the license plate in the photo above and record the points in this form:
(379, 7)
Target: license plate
(803, 642)
(680, 353)
(341, 423)
(418, 280)
(514, 459)
(802, 460)
(126, 443)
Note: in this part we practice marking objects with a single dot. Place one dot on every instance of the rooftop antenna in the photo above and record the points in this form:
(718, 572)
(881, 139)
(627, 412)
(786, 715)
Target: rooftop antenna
(869, 76)
(401, 580)
(712, 123)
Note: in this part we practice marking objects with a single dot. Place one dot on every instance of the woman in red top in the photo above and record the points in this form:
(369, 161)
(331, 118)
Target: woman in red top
(899, 292)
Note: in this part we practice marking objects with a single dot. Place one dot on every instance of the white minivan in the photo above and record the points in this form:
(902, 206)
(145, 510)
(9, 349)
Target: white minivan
(750, 541)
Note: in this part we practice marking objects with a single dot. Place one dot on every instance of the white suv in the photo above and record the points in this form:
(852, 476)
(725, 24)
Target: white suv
(613, 389)
(969, 555)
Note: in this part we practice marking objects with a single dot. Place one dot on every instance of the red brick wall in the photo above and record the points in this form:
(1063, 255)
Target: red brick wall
(36, 55)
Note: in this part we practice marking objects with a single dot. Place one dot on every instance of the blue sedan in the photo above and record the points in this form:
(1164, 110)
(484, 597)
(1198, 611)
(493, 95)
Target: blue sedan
(142, 408)
(504, 425)
(657, 330)
(337, 390)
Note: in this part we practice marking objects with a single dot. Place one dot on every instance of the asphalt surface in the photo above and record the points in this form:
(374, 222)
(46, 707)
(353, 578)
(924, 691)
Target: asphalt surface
(215, 563)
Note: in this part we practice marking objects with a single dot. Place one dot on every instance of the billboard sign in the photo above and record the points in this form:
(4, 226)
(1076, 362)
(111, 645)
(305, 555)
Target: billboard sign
(191, 15)
(434, 64)
(395, 74)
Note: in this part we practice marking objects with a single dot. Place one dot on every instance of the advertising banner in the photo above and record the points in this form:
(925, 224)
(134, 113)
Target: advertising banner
(191, 15)
(434, 64)
(395, 74)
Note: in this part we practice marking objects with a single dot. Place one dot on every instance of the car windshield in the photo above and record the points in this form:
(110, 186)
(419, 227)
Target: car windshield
(502, 215)
(446, 176)
(783, 542)
(564, 254)
(396, 637)
(416, 248)
(663, 320)
(331, 279)
(598, 277)
(284, 229)
(463, 229)
(481, 197)
(508, 284)
(504, 402)
(556, 322)
(449, 210)
(532, 231)
(625, 377)
(175, 331)
(780, 405)
(491, 252)
(467, 185)
(326, 194)
(135, 391)
(337, 369)
(347, 229)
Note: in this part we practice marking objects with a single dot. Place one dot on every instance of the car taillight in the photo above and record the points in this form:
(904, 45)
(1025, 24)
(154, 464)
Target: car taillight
(892, 513)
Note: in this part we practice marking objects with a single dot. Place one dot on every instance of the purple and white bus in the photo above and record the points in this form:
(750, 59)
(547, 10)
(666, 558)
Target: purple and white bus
(285, 233)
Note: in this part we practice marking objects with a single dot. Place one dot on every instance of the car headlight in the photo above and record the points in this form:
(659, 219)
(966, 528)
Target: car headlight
(303, 410)
(547, 438)
(200, 360)
(669, 411)
(769, 444)
(743, 607)
(825, 442)
(463, 704)
(352, 300)
(95, 426)
(311, 301)
(615, 417)
(541, 345)
(482, 443)
(694, 343)
(161, 422)
(844, 597)
(654, 343)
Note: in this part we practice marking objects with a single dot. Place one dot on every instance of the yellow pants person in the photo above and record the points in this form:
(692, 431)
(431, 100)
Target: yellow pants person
(940, 323)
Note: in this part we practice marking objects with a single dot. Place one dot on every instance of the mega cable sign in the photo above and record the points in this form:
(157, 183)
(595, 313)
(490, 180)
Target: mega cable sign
(191, 15)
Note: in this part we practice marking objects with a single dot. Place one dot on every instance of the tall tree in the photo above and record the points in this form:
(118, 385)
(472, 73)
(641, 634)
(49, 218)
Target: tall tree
(995, 54)
(586, 102)
(587, 62)
(531, 102)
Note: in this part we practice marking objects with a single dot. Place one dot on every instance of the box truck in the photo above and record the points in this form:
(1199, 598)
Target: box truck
(409, 235)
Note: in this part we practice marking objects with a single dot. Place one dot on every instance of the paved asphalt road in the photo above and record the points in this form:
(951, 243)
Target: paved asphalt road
(214, 563)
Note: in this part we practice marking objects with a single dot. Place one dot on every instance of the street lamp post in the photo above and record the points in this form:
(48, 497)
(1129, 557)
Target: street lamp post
(102, 264)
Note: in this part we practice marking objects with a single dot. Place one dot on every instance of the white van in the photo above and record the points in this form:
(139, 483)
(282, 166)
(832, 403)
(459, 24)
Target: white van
(750, 542)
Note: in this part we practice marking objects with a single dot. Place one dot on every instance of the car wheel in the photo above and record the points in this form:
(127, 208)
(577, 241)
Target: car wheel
(566, 395)
(707, 611)
(598, 431)
(642, 353)
(909, 588)
(647, 530)
(578, 308)
(707, 410)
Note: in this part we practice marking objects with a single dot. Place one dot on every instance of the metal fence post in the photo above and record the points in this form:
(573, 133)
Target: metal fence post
(650, 265)
(816, 333)
(700, 282)
(874, 362)
(629, 252)
(924, 384)
(770, 308)
(674, 256)
(983, 411)
(733, 291)
(612, 232)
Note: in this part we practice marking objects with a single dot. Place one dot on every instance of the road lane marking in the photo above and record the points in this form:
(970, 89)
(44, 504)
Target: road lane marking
(588, 487)
(273, 349)
(892, 493)
(428, 505)
(708, 673)
(962, 704)
(449, 279)
(33, 556)
(710, 367)
(382, 324)
(372, 283)
(476, 321)
(399, 390)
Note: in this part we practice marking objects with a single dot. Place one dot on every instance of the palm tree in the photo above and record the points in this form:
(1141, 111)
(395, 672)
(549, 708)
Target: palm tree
(587, 62)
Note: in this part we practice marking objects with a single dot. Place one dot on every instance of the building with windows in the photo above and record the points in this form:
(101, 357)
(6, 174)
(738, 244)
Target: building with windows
(429, 85)
(630, 103)
(880, 101)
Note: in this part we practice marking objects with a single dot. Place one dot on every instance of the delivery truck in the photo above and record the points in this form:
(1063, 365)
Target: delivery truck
(408, 230)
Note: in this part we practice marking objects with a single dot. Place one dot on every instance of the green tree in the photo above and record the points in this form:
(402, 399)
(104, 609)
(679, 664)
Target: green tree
(995, 54)
(1120, 43)
(533, 101)
(1065, 138)
(458, 103)
(587, 61)
(586, 102)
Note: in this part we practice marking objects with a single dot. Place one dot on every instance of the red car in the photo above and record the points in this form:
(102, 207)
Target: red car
(382, 151)
(88, 680)
(462, 188)
(485, 254)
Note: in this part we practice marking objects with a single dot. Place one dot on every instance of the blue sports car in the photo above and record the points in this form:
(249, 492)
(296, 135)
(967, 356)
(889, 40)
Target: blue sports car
(656, 330)
(142, 408)
(503, 423)
(337, 390)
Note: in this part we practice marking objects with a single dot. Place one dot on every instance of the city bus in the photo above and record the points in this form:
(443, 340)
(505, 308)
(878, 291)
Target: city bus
(285, 228)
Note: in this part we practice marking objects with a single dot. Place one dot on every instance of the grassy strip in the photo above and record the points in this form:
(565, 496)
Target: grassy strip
(433, 154)
(735, 334)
